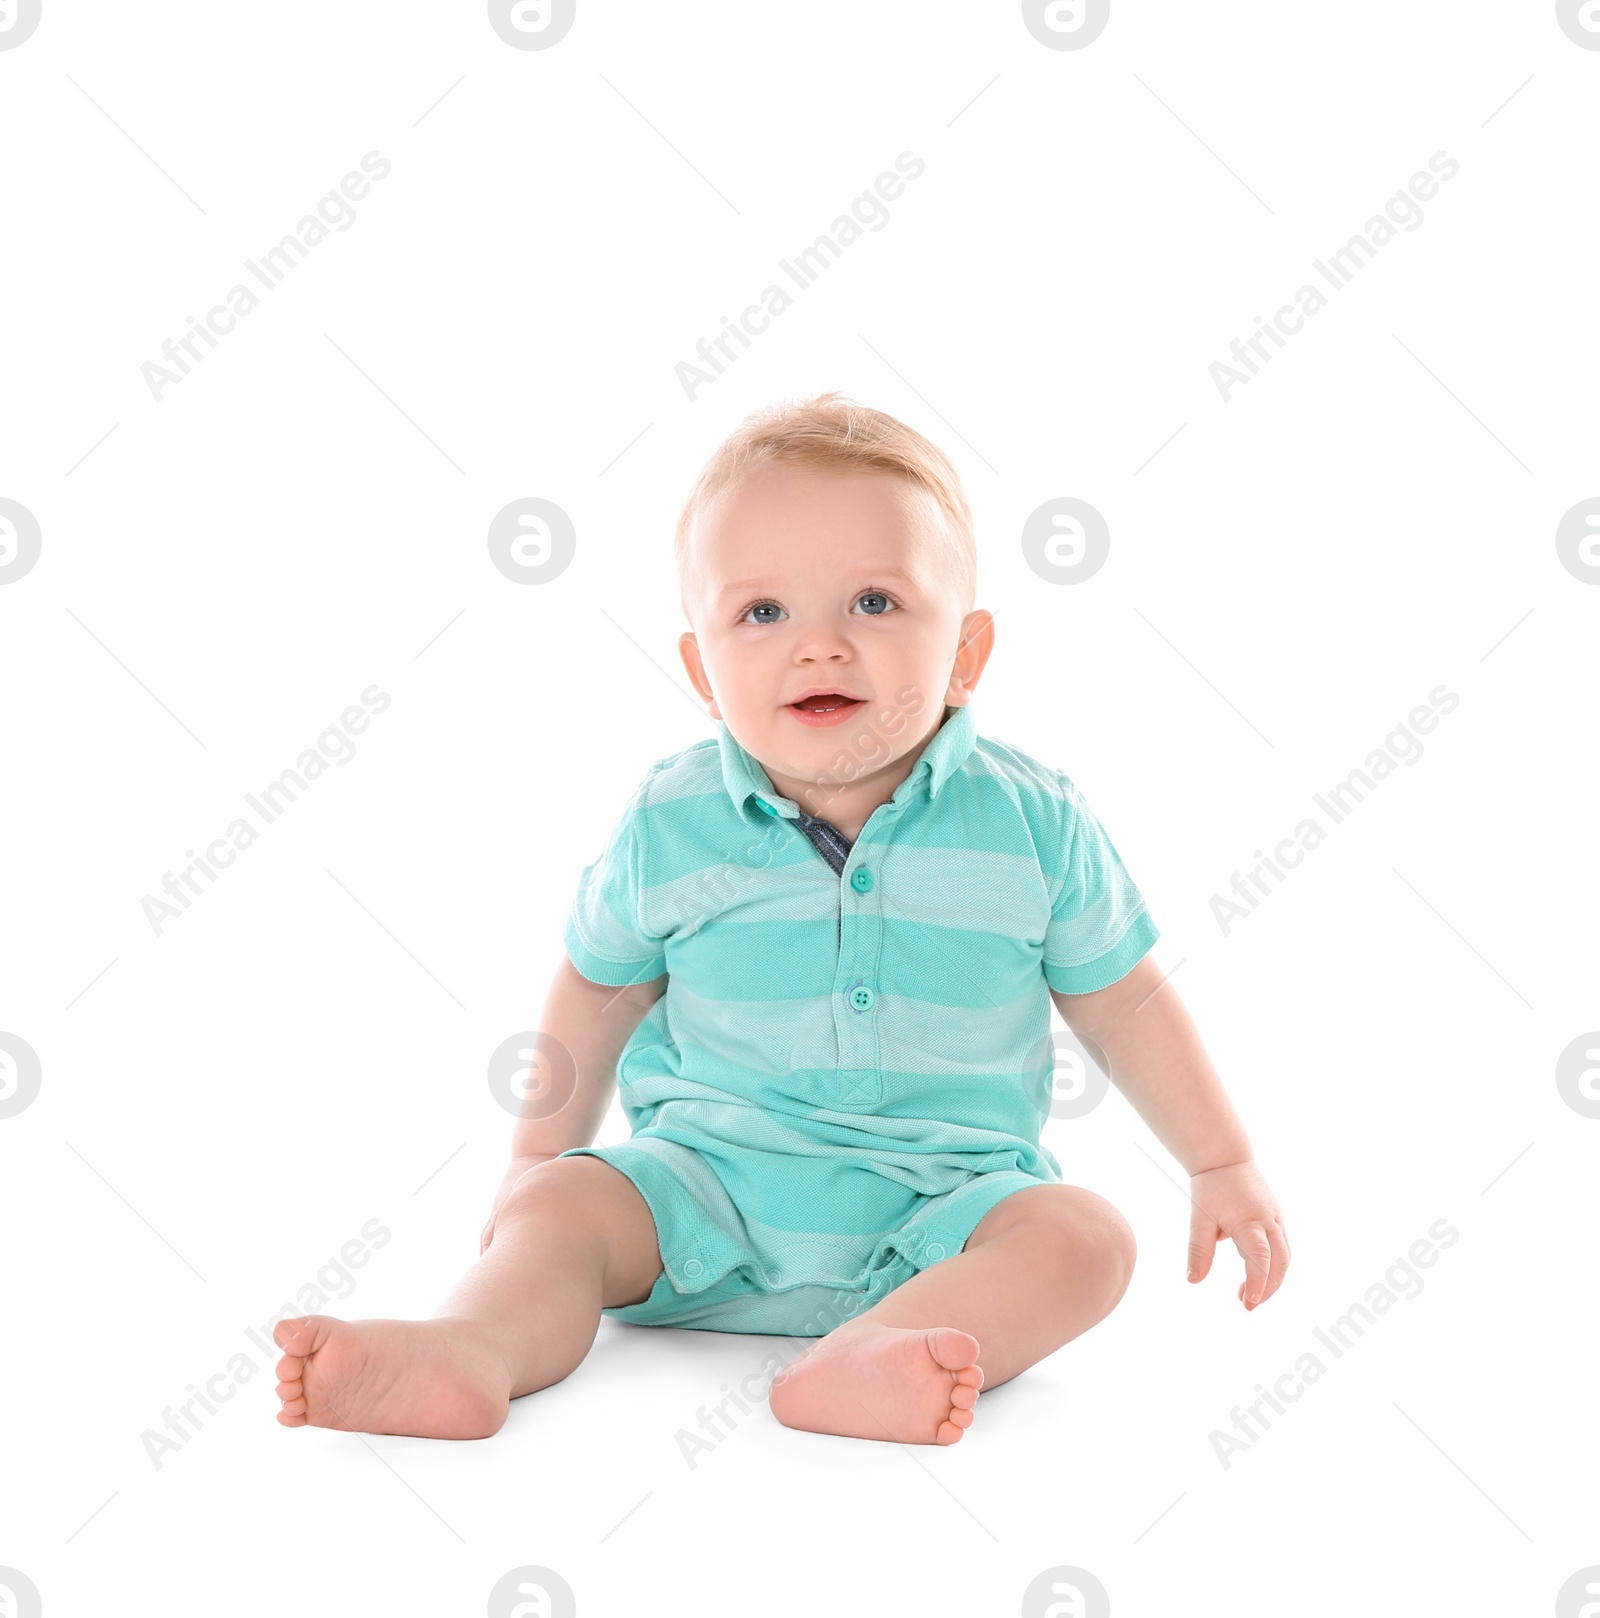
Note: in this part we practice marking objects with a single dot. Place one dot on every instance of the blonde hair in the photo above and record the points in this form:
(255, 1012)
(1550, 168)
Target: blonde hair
(833, 431)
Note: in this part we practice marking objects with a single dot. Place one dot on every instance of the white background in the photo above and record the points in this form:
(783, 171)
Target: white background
(224, 1105)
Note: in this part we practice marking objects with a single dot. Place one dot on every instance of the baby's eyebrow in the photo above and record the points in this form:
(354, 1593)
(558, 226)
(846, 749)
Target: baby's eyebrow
(898, 574)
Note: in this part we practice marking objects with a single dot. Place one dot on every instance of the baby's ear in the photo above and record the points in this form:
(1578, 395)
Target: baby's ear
(689, 651)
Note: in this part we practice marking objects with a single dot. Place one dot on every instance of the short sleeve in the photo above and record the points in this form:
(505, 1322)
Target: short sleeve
(1099, 927)
(605, 934)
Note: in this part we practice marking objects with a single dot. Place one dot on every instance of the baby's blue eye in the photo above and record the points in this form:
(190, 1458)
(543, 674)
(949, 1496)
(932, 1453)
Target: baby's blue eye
(878, 604)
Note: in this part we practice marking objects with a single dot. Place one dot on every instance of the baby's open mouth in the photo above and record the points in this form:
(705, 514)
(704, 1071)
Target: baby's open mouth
(827, 702)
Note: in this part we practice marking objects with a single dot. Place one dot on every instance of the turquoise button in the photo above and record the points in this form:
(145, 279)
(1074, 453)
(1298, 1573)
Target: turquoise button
(861, 997)
(767, 806)
(861, 879)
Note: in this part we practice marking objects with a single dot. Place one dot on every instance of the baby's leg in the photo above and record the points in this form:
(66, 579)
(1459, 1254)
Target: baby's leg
(1041, 1267)
(573, 1235)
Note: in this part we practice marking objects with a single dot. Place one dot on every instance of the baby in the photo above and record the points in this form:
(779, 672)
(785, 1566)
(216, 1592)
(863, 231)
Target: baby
(818, 953)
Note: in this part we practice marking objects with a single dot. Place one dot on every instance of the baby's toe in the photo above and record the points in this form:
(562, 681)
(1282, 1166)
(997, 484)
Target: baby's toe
(948, 1432)
(955, 1350)
(963, 1397)
(961, 1418)
(296, 1336)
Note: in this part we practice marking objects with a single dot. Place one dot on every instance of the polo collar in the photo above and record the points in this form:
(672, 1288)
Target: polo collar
(945, 753)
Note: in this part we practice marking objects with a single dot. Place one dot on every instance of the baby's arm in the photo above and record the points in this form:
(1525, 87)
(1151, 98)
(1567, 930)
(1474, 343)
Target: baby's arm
(1141, 1033)
(594, 1021)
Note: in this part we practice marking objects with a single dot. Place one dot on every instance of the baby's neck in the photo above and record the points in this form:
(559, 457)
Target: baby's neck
(849, 805)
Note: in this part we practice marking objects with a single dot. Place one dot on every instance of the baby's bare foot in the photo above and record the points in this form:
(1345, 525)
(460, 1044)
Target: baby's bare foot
(888, 1382)
(423, 1378)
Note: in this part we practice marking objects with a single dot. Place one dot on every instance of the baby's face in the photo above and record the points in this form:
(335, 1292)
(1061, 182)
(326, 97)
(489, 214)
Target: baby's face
(801, 578)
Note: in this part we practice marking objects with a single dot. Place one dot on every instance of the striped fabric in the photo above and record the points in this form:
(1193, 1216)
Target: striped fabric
(846, 1062)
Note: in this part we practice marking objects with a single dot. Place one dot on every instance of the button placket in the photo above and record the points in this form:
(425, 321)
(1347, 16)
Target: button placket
(861, 946)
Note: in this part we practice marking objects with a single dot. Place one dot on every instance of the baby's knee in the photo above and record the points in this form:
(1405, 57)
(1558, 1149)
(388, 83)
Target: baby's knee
(1087, 1232)
(581, 1202)
(559, 1184)
(1120, 1247)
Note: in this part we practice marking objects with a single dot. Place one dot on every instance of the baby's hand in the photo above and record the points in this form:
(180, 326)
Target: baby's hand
(1235, 1202)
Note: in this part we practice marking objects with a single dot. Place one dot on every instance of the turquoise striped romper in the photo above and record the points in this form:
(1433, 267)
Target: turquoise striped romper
(852, 1060)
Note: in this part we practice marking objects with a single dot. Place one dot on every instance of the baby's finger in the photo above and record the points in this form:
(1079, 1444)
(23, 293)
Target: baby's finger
(1203, 1238)
(1254, 1249)
(1279, 1243)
